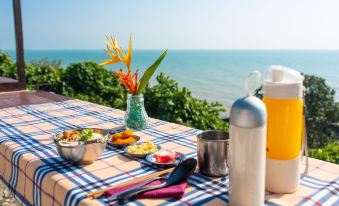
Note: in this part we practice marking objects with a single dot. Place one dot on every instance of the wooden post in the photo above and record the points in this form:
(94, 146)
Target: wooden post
(19, 41)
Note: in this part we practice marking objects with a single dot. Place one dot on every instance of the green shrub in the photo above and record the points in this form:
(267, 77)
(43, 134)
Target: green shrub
(330, 153)
(85, 77)
(167, 101)
(44, 74)
(46, 62)
(91, 82)
(321, 111)
(7, 66)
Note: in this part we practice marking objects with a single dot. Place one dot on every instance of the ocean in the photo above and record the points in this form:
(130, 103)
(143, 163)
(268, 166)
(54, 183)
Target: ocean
(215, 75)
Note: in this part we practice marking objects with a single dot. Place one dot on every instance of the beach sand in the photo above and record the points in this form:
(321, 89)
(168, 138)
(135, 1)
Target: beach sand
(6, 199)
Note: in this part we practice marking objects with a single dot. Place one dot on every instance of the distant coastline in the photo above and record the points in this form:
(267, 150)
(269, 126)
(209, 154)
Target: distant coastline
(215, 75)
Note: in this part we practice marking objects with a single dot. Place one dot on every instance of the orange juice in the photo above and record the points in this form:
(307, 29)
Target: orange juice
(284, 128)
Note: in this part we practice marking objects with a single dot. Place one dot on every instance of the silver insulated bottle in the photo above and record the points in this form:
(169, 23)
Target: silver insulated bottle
(247, 148)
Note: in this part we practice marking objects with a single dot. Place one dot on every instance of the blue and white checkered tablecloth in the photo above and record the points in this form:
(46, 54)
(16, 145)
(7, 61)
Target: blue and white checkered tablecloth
(34, 172)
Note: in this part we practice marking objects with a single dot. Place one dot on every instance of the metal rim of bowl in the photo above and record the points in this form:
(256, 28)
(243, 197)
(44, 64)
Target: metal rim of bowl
(79, 143)
(200, 138)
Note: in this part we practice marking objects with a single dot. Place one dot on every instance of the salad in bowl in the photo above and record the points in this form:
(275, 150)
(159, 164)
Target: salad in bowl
(81, 146)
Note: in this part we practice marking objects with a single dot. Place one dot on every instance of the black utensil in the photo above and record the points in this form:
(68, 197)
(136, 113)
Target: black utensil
(181, 172)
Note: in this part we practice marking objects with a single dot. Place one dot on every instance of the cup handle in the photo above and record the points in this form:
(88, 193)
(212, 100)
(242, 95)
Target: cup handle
(227, 155)
(250, 90)
(304, 148)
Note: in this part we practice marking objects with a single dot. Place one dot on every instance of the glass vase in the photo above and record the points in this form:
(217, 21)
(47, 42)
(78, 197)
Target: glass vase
(136, 117)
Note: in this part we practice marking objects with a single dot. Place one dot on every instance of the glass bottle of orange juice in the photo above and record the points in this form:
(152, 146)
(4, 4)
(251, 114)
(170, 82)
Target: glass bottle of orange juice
(283, 97)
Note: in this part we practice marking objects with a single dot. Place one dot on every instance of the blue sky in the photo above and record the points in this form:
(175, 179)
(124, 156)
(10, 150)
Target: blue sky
(175, 24)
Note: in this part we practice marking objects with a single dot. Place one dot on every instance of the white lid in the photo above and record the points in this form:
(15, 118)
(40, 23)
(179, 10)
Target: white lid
(283, 75)
(283, 83)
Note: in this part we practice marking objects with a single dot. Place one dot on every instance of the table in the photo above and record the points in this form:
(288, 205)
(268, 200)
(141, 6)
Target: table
(33, 171)
(23, 97)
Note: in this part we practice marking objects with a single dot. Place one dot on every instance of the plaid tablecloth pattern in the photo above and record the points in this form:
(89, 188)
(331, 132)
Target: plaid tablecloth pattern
(34, 172)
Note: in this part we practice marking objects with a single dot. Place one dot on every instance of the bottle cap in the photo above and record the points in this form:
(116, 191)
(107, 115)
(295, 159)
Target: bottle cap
(249, 111)
(283, 83)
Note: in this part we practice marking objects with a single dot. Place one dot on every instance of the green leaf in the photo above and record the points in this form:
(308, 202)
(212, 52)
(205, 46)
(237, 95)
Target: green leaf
(86, 135)
(149, 73)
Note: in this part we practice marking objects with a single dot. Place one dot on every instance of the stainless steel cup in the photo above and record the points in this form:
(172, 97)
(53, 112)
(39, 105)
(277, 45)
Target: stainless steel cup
(212, 153)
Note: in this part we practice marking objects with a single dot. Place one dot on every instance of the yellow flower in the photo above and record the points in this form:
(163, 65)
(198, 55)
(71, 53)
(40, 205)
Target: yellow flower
(118, 54)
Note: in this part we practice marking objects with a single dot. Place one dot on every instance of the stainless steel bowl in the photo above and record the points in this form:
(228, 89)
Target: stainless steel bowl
(80, 152)
(213, 153)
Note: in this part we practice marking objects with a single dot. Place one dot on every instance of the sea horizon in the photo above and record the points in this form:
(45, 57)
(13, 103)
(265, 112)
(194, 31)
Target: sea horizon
(181, 49)
(212, 74)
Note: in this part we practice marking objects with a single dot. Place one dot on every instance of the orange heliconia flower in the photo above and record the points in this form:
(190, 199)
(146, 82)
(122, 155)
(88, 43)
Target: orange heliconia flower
(117, 53)
(129, 80)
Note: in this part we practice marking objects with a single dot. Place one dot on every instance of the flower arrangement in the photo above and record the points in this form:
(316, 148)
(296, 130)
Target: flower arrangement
(136, 117)
(129, 79)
